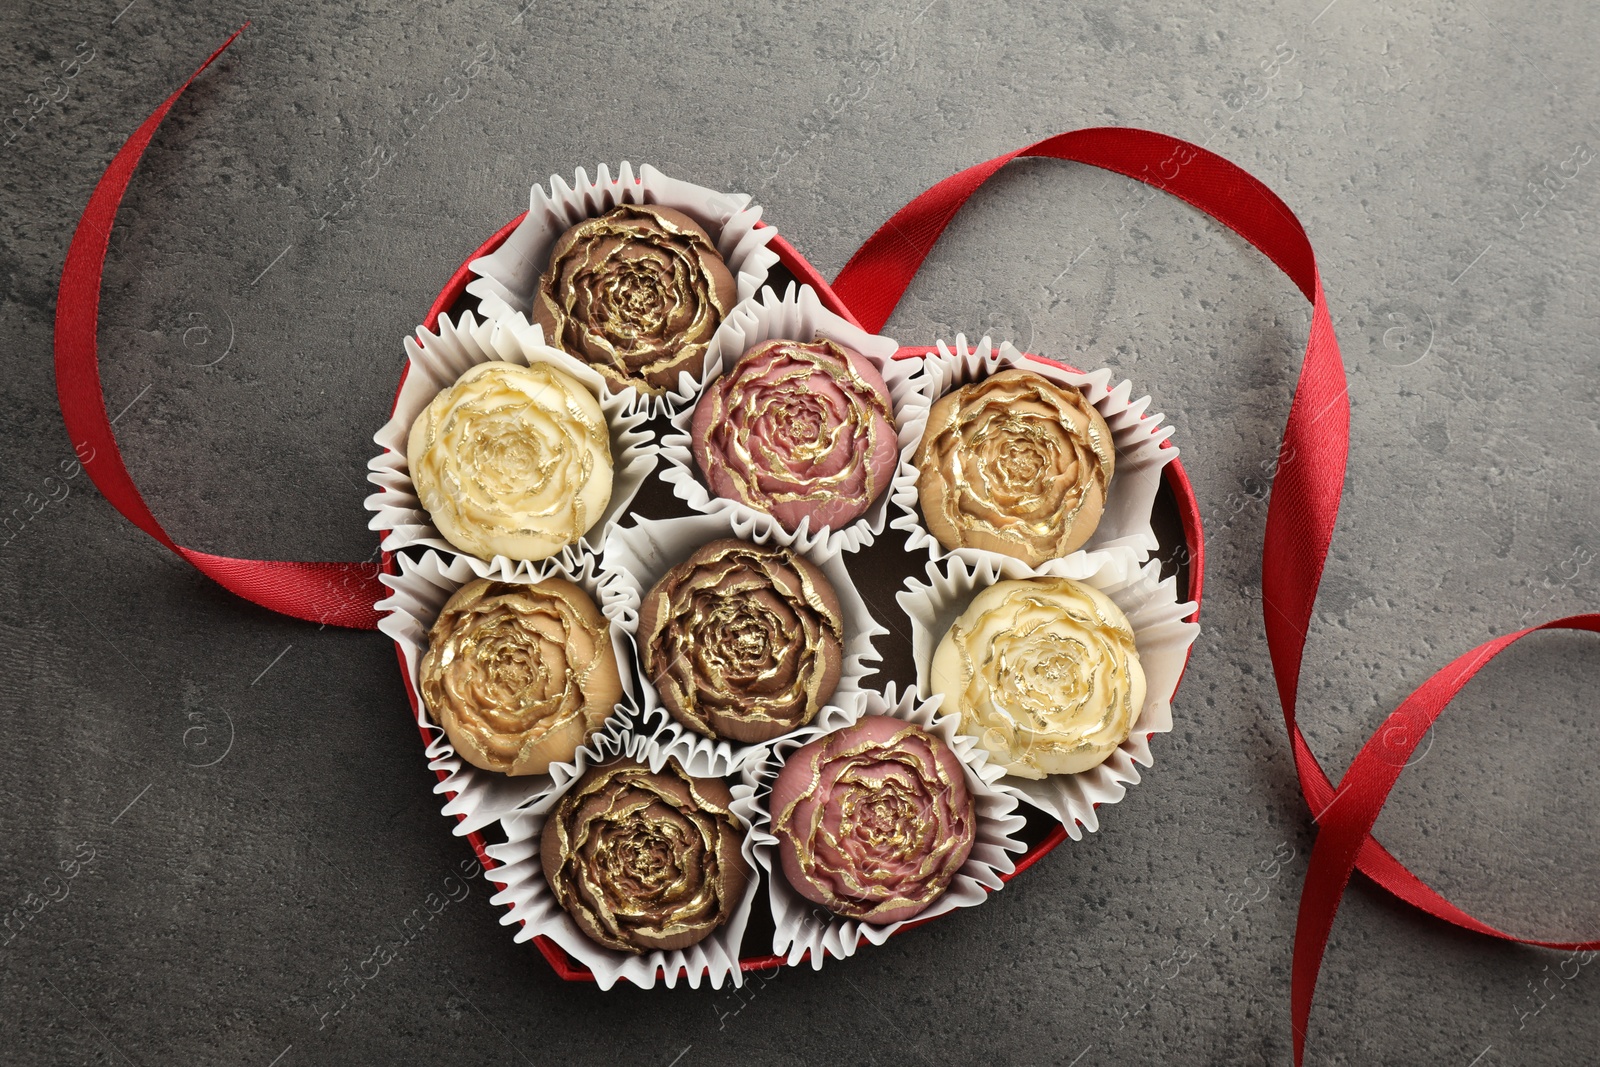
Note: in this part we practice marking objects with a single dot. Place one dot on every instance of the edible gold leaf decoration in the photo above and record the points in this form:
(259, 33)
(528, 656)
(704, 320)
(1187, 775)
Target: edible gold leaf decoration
(1044, 674)
(742, 641)
(638, 293)
(512, 460)
(797, 430)
(1014, 464)
(645, 861)
(519, 675)
(873, 821)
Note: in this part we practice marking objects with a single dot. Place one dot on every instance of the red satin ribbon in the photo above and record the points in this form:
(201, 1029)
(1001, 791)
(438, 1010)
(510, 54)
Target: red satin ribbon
(342, 594)
(1300, 515)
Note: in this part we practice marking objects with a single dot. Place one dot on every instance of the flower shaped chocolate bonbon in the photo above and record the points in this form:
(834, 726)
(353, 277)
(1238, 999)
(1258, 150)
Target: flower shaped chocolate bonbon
(512, 460)
(638, 293)
(742, 641)
(798, 430)
(1014, 464)
(1044, 674)
(518, 675)
(645, 861)
(873, 821)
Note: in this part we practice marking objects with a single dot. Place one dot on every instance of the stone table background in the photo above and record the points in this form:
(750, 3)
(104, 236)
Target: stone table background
(293, 221)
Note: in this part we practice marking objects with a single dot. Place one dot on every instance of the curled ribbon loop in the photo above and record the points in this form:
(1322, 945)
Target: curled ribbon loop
(342, 594)
(1300, 515)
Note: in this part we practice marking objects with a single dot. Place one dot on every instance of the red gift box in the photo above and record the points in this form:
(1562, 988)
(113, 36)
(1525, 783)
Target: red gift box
(1177, 482)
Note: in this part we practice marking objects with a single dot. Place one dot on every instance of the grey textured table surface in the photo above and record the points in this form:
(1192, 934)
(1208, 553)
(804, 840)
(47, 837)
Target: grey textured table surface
(253, 794)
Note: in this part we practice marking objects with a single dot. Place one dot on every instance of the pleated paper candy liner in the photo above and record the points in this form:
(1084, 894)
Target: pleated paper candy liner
(1160, 634)
(508, 278)
(638, 555)
(797, 316)
(804, 928)
(436, 361)
(418, 594)
(530, 903)
(1137, 434)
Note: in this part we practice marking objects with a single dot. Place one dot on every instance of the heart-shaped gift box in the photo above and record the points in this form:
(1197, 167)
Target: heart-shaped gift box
(1174, 520)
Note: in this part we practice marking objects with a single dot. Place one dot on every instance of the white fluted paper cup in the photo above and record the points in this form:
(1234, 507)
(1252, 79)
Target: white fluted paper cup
(532, 907)
(1160, 635)
(637, 556)
(436, 361)
(508, 278)
(1138, 435)
(806, 929)
(418, 593)
(798, 315)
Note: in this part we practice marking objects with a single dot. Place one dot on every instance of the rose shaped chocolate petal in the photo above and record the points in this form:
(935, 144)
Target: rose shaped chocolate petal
(645, 861)
(1014, 464)
(742, 641)
(798, 430)
(637, 292)
(873, 821)
(1044, 674)
(519, 675)
(512, 461)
